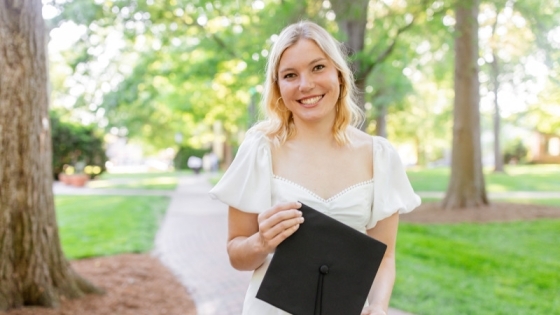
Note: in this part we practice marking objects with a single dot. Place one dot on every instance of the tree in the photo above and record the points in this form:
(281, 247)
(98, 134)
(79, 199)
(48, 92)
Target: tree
(383, 24)
(466, 187)
(33, 269)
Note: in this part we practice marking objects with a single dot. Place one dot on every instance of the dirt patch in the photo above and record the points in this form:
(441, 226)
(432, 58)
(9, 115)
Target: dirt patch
(141, 285)
(134, 285)
(431, 212)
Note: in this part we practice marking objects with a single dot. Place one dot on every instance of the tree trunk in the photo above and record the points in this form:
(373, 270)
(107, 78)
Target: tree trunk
(33, 270)
(351, 17)
(498, 159)
(381, 121)
(466, 186)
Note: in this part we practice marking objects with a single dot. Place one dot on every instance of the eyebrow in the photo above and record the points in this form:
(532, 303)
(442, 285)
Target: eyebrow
(310, 63)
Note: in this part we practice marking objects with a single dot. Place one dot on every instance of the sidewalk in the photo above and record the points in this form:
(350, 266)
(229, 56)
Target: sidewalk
(191, 242)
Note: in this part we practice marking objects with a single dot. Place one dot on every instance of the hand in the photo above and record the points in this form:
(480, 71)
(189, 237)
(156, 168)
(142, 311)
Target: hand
(278, 223)
(371, 310)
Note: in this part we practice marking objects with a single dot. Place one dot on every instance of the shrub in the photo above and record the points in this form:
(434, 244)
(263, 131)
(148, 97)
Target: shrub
(515, 152)
(182, 156)
(76, 145)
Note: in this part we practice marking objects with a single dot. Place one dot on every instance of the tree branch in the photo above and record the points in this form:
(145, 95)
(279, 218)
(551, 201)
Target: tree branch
(369, 66)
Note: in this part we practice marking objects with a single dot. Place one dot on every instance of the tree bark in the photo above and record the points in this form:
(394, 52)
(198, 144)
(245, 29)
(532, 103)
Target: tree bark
(381, 121)
(466, 186)
(498, 159)
(33, 270)
(351, 17)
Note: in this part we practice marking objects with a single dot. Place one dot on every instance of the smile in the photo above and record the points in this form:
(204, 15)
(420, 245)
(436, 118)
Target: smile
(312, 100)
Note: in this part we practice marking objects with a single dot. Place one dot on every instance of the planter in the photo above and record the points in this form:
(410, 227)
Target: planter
(77, 180)
(63, 178)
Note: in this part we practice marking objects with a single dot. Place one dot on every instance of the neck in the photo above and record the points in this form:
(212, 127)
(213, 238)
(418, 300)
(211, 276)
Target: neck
(316, 133)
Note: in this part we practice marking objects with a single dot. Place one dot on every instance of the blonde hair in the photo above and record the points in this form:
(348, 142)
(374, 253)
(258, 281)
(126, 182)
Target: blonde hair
(279, 124)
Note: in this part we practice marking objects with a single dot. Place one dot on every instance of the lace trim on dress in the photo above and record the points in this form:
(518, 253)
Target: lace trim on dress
(344, 191)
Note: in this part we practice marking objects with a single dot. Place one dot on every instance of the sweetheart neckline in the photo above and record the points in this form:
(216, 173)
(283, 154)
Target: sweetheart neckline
(330, 199)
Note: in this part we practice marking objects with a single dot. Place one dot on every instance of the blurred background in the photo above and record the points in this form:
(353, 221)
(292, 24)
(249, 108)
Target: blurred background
(140, 85)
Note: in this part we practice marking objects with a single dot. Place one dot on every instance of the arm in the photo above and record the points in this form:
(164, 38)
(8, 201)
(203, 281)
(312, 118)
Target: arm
(380, 293)
(252, 237)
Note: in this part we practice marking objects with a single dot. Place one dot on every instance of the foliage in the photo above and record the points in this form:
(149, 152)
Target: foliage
(505, 268)
(75, 144)
(184, 153)
(173, 67)
(515, 151)
(108, 225)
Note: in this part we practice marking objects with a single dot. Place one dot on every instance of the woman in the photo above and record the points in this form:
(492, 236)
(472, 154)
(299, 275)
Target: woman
(309, 149)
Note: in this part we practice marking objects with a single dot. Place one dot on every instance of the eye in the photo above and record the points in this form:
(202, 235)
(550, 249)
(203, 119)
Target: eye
(289, 76)
(318, 67)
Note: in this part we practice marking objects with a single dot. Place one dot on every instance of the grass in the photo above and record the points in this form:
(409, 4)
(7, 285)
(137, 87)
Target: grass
(500, 268)
(516, 178)
(107, 225)
(149, 180)
(160, 183)
(144, 175)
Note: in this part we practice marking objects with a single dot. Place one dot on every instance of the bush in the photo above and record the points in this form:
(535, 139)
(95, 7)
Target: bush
(515, 152)
(75, 145)
(182, 156)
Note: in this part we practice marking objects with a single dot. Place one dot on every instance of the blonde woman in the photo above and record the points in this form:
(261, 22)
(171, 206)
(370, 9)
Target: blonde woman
(309, 149)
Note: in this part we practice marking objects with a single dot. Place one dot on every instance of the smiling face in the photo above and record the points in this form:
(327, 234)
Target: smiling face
(309, 82)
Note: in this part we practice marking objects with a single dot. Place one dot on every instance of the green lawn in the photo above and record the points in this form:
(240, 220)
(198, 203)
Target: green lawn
(516, 178)
(108, 225)
(144, 175)
(148, 180)
(159, 183)
(499, 268)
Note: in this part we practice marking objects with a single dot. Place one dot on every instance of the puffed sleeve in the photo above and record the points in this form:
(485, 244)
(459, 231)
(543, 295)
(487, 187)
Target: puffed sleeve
(392, 189)
(246, 184)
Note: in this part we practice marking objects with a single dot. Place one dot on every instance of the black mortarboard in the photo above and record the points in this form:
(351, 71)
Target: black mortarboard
(324, 268)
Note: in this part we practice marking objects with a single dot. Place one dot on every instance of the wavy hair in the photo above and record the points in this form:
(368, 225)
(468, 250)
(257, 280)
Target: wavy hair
(279, 125)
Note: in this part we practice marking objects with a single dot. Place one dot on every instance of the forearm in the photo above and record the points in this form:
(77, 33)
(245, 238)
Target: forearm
(246, 253)
(380, 293)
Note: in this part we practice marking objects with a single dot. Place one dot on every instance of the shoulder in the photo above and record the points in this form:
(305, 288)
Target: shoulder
(358, 138)
(381, 144)
(254, 136)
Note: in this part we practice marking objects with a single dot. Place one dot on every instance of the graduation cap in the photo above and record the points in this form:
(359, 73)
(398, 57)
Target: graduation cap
(324, 268)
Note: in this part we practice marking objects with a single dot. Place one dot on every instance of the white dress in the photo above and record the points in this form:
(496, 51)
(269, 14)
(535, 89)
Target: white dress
(250, 185)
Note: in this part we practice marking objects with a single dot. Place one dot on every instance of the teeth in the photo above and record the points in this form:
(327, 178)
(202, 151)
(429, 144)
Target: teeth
(311, 100)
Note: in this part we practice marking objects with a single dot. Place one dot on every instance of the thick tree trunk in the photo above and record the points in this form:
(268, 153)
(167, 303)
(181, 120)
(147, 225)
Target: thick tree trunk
(466, 186)
(33, 270)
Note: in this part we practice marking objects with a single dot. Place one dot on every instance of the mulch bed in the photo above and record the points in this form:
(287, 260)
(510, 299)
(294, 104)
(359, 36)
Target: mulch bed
(141, 285)
(135, 284)
(431, 212)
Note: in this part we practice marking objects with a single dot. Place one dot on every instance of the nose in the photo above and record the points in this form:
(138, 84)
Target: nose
(306, 82)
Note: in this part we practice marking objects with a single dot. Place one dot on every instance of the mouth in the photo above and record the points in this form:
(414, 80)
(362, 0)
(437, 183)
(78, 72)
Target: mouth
(311, 100)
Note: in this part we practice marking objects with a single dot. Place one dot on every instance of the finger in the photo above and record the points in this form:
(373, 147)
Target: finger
(279, 238)
(279, 222)
(280, 227)
(278, 208)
